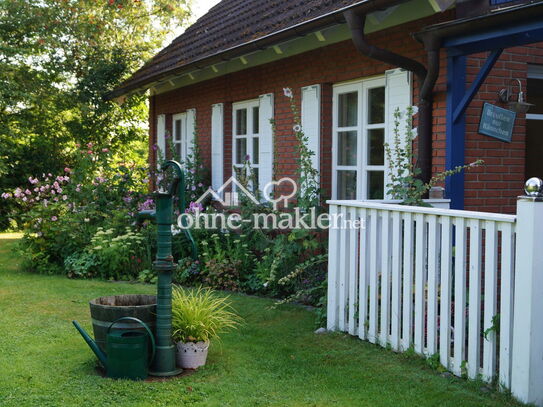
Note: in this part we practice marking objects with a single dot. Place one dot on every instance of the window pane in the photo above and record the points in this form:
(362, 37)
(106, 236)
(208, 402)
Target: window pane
(346, 184)
(241, 150)
(177, 130)
(376, 184)
(535, 95)
(256, 124)
(376, 149)
(256, 151)
(178, 151)
(376, 105)
(347, 109)
(346, 148)
(241, 122)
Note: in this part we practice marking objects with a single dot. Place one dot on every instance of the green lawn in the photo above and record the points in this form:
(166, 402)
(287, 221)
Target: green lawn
(275, 359)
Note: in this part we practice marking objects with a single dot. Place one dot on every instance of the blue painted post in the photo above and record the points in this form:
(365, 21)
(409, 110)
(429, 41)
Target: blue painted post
(455, 144)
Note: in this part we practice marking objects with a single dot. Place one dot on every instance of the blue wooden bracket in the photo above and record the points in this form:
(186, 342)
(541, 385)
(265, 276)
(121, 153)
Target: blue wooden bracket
(476, 85)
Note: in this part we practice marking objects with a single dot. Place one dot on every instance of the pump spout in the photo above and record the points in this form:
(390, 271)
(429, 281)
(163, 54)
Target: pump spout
(97, 351)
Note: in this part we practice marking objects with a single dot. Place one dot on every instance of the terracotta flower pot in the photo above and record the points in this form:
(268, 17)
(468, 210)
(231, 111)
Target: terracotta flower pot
(192, 355)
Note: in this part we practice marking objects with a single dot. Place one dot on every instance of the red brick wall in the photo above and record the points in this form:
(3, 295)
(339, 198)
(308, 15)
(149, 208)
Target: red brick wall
(493, 187)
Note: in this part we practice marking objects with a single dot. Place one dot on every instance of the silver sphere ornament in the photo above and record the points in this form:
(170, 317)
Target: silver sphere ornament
(533, 187)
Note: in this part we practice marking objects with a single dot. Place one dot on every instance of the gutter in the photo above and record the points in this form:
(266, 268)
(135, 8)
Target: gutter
(300, 29)
(427, 78)
(500, 17)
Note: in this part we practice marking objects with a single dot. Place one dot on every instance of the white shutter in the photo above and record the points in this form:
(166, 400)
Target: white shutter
(398, 96)
(217, 135)
(191, 128)
(311, 117)
(265, 174)
(161, 136)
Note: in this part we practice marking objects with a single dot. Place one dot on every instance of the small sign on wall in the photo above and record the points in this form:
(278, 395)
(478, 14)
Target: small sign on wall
(497, 122)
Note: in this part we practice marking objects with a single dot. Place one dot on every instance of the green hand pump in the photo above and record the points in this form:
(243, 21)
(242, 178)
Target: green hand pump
(164, 362)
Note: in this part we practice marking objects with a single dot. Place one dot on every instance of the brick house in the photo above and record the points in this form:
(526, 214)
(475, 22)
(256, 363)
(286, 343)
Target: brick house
(350, 64)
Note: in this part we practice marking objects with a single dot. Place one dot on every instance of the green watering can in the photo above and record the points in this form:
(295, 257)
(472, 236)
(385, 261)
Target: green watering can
(126, 354)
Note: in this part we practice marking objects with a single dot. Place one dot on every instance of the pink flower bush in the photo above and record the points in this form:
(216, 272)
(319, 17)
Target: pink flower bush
(194, 207)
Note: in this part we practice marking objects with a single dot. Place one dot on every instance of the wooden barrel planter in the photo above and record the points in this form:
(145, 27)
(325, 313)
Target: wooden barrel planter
(105, 310)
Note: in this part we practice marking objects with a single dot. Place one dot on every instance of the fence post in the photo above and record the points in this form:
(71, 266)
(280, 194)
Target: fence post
(333, 271)
(527, 360)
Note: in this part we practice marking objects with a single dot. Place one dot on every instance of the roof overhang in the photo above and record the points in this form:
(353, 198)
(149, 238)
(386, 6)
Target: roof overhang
(500, 28)
(311, 34)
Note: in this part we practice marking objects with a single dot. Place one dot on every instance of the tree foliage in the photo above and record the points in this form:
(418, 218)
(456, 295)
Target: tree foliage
(57, 60)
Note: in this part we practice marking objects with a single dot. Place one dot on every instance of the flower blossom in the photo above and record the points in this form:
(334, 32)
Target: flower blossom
(288, 93)
(194, 207)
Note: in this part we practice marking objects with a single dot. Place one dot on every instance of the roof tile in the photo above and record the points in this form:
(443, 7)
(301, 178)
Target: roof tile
(232, 23)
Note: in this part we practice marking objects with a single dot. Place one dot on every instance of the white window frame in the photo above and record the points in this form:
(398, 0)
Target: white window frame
(183, 139)
(362, 167)
(249, 105)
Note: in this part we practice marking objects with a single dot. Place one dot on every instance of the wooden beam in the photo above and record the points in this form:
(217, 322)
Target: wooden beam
(320, 36)
(440, 6)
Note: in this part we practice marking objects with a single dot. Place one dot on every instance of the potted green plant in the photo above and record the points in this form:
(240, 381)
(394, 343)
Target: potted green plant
(197, 317)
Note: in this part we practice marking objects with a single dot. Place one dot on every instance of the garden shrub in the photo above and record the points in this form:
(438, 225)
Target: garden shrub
(65, 217)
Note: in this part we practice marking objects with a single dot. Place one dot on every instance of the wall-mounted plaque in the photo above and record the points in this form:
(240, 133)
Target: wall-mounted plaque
(497, 122)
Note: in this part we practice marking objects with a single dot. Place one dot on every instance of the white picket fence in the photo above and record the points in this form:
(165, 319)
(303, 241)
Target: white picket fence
(434, 280)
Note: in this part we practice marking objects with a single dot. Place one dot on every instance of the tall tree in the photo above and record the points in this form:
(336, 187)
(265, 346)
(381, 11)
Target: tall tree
(57, 60)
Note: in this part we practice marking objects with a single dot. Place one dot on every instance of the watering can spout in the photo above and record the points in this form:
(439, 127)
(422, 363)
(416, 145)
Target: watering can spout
(97, 351)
